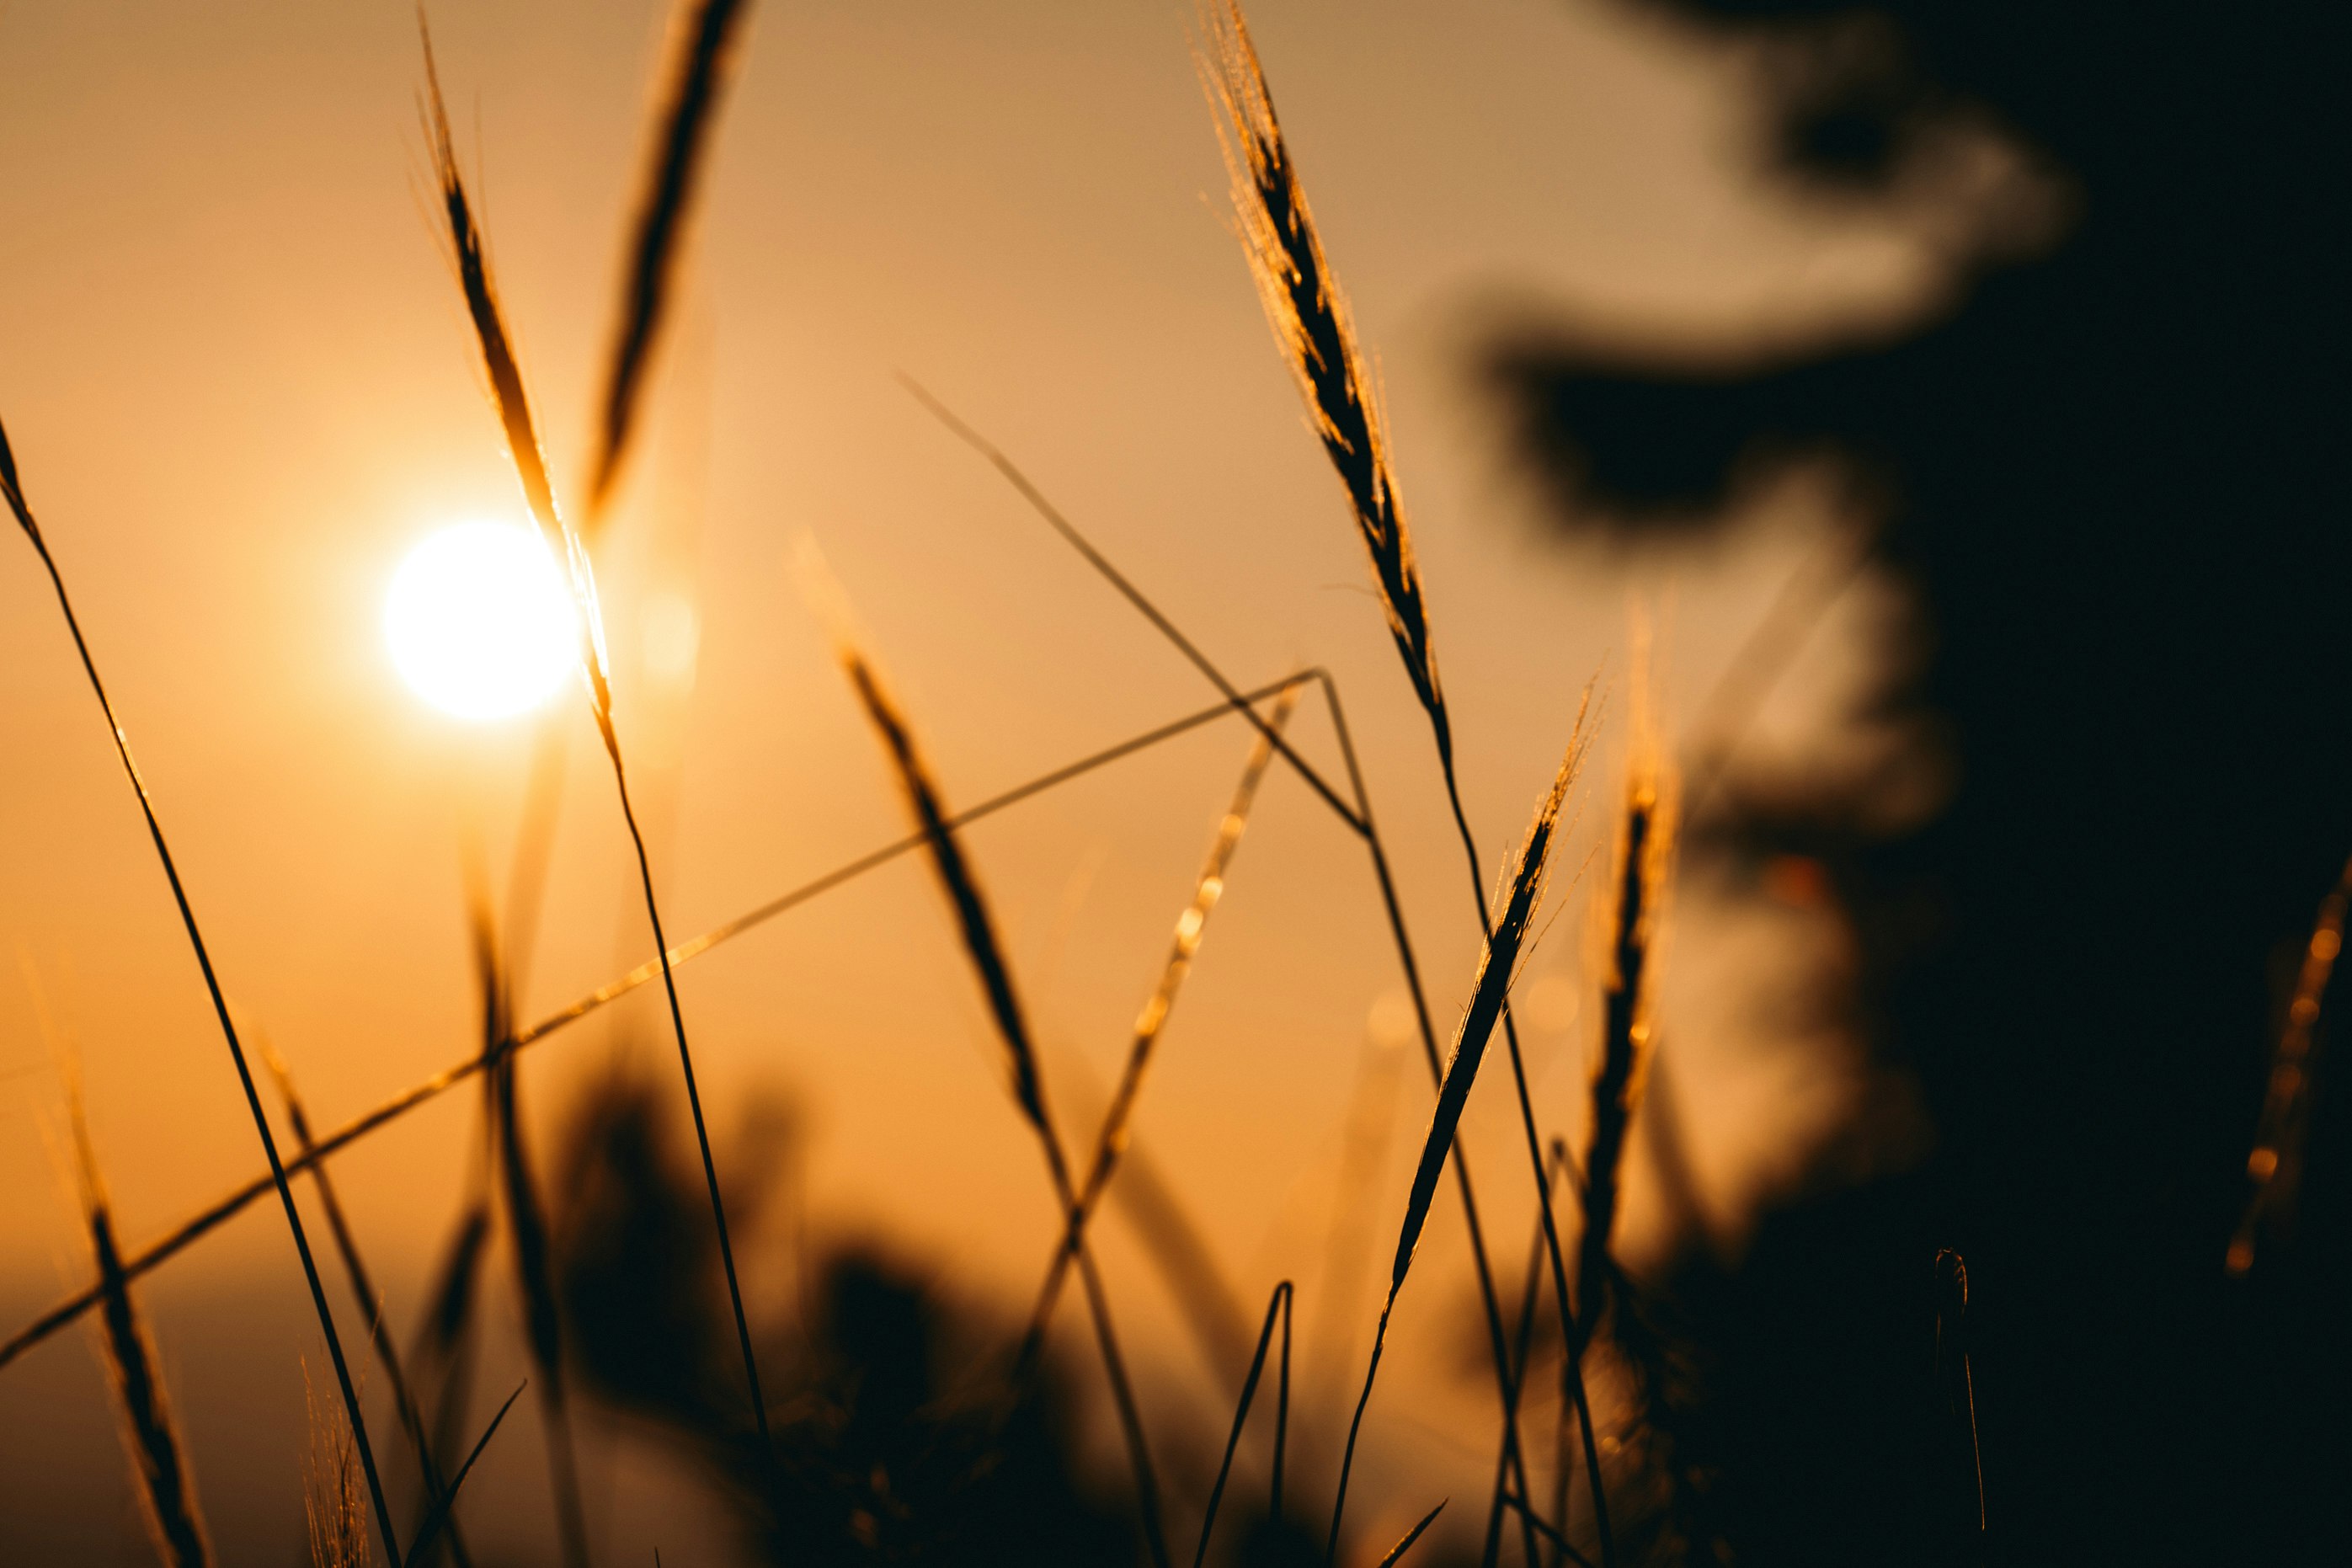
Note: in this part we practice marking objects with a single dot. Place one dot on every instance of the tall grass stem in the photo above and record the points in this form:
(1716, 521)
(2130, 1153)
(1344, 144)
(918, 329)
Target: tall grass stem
(235, 1203)
(513, 408)
(12, 487)
(1358, 817)
(363, 1290)
(1191, 925)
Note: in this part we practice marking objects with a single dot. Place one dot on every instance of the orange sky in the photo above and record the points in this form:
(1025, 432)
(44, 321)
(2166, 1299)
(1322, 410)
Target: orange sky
(238, 384)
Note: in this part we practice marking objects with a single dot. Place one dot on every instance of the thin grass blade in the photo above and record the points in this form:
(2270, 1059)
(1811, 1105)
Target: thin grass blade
(434, 1523)
(151, 1439)
(364, 1290)
(1396, 1554)
(234, 1202)
(1498, 965)
(12, 488)
(1191, 925)
(527, 1234)
(707, 32)
(986, 954)
(530, 466)
(1278, 1305)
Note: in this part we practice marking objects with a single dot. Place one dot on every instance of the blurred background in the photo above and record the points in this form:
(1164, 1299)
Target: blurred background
(1953, 393)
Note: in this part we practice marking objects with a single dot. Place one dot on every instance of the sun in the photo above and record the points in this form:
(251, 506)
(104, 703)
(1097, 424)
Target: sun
(479, 622)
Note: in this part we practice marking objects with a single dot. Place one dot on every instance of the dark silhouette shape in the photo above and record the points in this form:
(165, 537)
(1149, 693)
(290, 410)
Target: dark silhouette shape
(2116, 485)
(888, 1449)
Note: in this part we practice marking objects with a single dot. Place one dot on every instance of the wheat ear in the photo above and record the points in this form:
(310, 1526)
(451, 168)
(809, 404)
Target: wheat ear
(985, 952)
(150, 1439)
(1498, 965)
(1311, 325)
(531, 468)
(12, 490)
(1111, 1140)
(706, 34)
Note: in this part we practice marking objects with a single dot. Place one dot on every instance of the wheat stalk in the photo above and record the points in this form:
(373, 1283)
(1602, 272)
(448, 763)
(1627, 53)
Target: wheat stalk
(985, 952)
(530, 466)
(1277, 1304)
(1311, 325)
(1644, 856)
(150, 1440)
(363, 1288)
(12, 490)
(1359, 819)
(707, 32)
(1310, 321)
(468, 1252)
(1498, 965)
(527, 1234)
(1111, 1139)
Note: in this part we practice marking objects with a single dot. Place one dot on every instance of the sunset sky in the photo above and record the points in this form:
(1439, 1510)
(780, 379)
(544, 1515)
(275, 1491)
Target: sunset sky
(238, 381)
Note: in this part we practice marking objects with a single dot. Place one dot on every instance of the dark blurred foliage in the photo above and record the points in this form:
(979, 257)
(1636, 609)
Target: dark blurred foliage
(2114, 480)
(895, 1441)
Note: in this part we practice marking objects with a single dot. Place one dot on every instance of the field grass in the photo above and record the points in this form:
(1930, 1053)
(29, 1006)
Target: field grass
(861, 1444)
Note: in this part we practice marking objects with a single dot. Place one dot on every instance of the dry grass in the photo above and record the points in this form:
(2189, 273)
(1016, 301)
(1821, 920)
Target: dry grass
(364, 1290)
(1498, 966)
(986, 954)
(1191, 925)
(1311, 320)
(333, 1498)
(150, 1440)
(1277, 1306)
(707, 32)
(12, 490)
(1311, 325)
(530, 466)
(1356, 812)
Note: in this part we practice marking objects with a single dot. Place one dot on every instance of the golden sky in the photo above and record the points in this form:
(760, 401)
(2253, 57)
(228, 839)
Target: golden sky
(239, 384)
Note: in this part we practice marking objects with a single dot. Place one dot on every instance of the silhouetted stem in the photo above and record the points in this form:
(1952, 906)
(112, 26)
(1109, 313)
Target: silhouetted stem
(400, 1105)
(16, 497)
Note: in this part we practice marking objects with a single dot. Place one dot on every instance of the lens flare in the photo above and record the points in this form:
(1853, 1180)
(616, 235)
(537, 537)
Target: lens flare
(479, 622)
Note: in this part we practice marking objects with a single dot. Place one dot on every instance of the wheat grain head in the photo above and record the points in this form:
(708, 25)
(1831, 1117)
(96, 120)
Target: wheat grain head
(1317, 338)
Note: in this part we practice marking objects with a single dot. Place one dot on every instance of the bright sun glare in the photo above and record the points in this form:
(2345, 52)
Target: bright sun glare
(479, 621)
